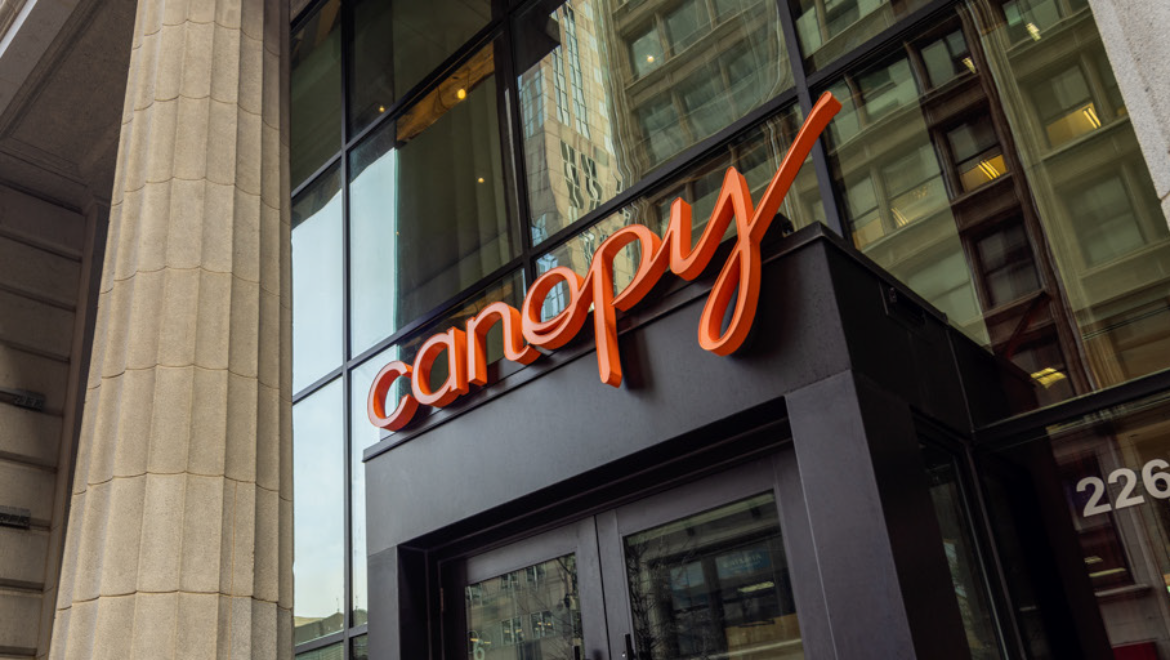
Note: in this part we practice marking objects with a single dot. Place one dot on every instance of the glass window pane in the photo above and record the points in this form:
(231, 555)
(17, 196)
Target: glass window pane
(360, 648)
(428, 214)
(1083, 166)
(534, 612)
(363, 434)
(318, 513)
(396, 44)
(715, 584)
(886, 165)
(828, 29)
(510, 289)
(317, 294)
(334, 652)
(315, 88)
(947, 58)
(756, 156)
(1112, 474)
(622, 92)
(1008, 270)
(962, 556)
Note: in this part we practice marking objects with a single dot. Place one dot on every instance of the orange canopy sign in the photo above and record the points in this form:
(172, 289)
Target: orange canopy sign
(523, 330)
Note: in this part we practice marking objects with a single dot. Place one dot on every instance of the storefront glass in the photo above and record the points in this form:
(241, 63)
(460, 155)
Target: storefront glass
(984, 156)
(315, 92)
(828, 30)
(319, 486)
(714, 585)
(427, 209)
(510, 289)
(317, 286)
(1110, 473)
(756, 155)
(534, 612)
(1090, 185)
(609, 91)
(397, 44)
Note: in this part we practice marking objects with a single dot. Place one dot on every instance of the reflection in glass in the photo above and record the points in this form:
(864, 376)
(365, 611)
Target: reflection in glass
(317, 295)
(623, 90)
(318, 513)
(334, 652)
(756, 156)
(896, 192)
(1123, 530)
(947, 58)
(1092, 191)
(427, 209)
(530, 613)
(315, 91)
(714, 585)
(363, 434)
(1005, 259)
(829, 29)
(360, 648)
(510, 289)
(962, 556)
(396, 44)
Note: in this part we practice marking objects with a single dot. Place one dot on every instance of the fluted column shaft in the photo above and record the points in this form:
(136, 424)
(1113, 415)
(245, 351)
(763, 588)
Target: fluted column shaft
(179, 542)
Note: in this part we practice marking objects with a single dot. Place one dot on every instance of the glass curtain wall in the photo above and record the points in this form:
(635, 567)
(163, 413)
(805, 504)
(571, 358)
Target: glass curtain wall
(444, 153)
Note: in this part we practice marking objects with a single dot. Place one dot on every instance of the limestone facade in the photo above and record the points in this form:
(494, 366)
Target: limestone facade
(179, 540)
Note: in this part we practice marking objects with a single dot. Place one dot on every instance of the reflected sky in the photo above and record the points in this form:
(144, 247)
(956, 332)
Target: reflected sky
(318, 476)
(317, 295)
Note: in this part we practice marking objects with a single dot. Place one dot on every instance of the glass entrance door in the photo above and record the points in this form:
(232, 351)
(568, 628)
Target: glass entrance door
(702, 573)
(698, 572)
(539, 599)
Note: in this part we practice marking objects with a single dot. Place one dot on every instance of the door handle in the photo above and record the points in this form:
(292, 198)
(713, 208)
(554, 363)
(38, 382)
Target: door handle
(629, 654)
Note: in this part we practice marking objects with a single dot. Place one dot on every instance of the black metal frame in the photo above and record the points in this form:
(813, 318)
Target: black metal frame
(498, 33)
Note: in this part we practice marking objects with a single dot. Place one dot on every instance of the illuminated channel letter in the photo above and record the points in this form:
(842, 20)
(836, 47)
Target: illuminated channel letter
(376, 403)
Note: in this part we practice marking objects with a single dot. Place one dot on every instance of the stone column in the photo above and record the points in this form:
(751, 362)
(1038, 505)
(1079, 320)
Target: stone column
(179, 542)
(1134, 33)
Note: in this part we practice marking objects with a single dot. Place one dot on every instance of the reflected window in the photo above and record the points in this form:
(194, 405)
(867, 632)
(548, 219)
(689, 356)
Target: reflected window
(631, 90)
(1005, 260)
(427, 211)
(646, 52)
(1065, 106)
(686, 24)
(319, 514)
(317, 293)
(714, 585)
(1044, 362)
(1030, 19)
(315, 92)
(915, 186)
(975, 153)
(830, 28)
(1104, 221)
(664, 135)
(756, 155)
(947, 58)
(511, 619)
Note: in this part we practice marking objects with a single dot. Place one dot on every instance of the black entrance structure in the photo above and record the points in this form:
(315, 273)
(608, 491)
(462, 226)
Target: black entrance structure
(839, 405)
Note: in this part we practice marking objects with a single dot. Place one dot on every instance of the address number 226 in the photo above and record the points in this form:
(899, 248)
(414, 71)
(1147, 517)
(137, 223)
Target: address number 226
(1155, 480)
